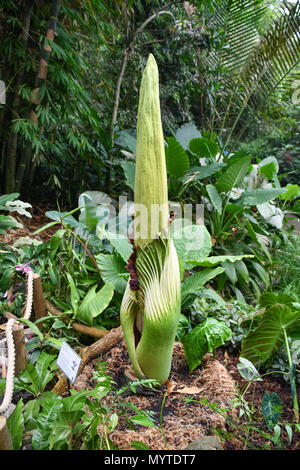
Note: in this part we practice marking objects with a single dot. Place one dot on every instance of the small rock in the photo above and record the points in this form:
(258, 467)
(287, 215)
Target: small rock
(205, 443)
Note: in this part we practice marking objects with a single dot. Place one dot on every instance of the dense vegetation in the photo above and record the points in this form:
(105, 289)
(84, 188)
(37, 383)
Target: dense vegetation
(229, 99)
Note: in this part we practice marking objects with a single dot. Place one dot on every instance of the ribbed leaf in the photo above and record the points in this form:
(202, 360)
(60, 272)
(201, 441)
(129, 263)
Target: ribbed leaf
(200, 172)
(215, 198)
(260, 196)
(214, 260)
(94, 303)
(45, 424)
(15, 425)
(129, 172)
(204, 148)
(177, 160)
(192, 242)
(268, 337)
(196, 281)
(185, 133)
(204, 338)
(113, 270)
(233, 175)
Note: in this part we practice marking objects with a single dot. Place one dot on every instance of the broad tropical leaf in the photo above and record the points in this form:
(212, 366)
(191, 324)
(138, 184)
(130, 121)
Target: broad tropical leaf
(94, 303)
(268, 337)
(192, 242)
(177, 160)
(204, 148)
(233, 175)
(186, 133)
(196, 281)
(260, 196)
(113, 271)
(204, 338)
(215, 198)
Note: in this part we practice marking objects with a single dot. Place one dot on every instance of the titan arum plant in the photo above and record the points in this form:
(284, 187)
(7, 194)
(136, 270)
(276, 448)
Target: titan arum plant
(151, 304)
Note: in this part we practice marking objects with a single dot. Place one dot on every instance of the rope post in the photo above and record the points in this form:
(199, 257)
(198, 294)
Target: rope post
(20, 349)
(5, 440)
(38, 298)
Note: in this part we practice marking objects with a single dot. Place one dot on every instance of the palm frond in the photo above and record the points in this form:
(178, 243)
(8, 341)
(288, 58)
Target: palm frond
(277, 55)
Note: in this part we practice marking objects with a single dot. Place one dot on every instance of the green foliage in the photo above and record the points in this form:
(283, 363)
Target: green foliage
(204, 338)
(94, 303)
(271, 408)
(15, 425)
(277, 321)
(35, 378)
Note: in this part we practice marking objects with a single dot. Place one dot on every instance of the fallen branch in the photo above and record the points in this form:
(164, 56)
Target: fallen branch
(84, 329)
(89, 330)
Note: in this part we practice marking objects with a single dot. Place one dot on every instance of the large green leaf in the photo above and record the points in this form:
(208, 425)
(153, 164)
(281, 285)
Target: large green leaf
(112, 269)
(268, 337)
(215, 260)
(15, 425)
(233, 175)
(260, 196)
(203, 147)
(177, 160)
(45, 424)
(7, 197)
(192, 242)
(215, 198)
(267, 299)
(129, 172)
(197, 173)
(185, 133)
(129, 140)
(45, 366)
(203, 339)
(196, 281)
(291, 191)
(230, 271)
(121, 244)
(88, 214)
(94, 303)
(271, 408)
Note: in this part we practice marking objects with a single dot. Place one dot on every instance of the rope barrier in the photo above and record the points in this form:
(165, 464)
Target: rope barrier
(9, 389)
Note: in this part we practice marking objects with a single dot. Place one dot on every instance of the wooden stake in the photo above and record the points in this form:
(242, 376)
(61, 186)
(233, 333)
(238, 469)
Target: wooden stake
(5, 440)
(38, 298)
(88, 353)
(20, 350)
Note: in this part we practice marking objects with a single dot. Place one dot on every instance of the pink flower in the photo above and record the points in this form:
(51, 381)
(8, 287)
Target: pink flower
(24, 268)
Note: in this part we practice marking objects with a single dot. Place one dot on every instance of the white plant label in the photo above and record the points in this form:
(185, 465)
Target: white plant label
(68, 361)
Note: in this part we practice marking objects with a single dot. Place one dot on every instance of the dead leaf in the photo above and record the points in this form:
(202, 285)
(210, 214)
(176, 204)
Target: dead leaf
(173, 387)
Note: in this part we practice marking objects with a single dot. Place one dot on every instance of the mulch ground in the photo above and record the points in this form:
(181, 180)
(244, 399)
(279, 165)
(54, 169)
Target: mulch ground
(185, 416)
